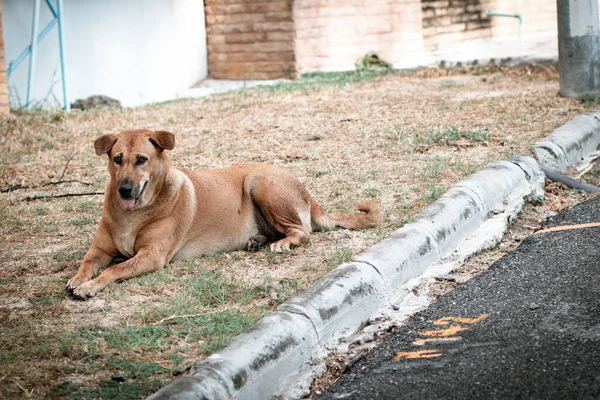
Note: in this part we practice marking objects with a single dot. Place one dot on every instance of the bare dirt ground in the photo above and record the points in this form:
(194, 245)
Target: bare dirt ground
(400, 140)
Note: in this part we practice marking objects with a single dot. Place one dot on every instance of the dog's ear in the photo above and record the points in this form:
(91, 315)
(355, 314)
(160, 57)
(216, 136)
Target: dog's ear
(104, 143)
(163, 140)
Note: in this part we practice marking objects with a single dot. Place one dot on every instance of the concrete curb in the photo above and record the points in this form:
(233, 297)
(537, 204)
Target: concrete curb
(259, 363)
(252, 365)
(569, 143)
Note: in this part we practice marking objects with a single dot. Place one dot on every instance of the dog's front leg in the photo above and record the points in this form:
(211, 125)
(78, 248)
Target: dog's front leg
(99, 255)
(146, 260)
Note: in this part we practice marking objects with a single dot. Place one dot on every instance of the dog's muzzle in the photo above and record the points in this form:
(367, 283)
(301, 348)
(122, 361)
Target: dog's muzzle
(128, 196)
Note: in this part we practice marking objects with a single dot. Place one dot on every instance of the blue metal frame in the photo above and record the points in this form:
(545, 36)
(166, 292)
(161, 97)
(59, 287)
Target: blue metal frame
(36, 18)
(61, 43)
(32, 49)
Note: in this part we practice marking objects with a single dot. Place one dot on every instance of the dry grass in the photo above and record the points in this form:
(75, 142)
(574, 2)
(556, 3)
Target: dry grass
(400, 140)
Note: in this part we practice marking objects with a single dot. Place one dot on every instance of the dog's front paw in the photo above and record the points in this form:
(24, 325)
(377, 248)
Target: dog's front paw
(76, 281)
(86, 290)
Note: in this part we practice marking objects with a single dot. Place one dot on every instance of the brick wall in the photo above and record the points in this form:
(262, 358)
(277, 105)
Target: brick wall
(264, 39)
(3, 86)
(331, 35)
(250, 39)
(448, 22)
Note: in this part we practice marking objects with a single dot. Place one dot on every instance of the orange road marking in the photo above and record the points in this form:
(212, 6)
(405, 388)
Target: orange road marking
(470, 321)
(422, 342)
(567, 228)
(438, 336)
(417, 354)
(451, 331)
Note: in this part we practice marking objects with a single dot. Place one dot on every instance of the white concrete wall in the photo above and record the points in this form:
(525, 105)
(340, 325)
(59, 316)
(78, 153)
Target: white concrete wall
(137, 51)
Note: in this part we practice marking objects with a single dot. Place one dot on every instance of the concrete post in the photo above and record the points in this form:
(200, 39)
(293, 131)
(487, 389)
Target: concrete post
(579, 48)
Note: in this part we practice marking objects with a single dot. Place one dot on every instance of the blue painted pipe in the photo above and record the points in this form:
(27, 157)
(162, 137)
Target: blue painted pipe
(519, 16)
(63, 61)
(36, 17)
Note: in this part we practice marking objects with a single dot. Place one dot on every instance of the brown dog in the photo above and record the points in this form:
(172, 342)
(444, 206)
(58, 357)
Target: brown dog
(155, 213)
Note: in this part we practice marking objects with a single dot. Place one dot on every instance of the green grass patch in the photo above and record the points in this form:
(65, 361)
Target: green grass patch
(450, 84)
(588, 99)
(449, 136)
(339, 256)
(431, 176)
(123, 338)
(206, 331)
(116, 351)
(133, 368)
(203, 308)
(63, 256)
(82, 206)
(204, 290)
(317, 81)
(209, 288)
(83, 345)
(40, 210)
(218, 329)
(433, 192)
(130, 379)
(83, 221)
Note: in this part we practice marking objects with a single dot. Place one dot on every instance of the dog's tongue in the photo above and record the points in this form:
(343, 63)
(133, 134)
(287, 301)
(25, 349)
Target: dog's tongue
(127, 203)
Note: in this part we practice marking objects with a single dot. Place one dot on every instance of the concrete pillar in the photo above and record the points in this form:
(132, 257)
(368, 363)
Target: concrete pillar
(579, 48)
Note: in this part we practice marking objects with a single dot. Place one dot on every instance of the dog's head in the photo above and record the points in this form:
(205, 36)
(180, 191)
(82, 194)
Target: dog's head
(135, 162)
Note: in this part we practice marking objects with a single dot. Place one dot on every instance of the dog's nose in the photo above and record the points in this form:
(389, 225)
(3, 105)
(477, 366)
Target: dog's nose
(125, 189)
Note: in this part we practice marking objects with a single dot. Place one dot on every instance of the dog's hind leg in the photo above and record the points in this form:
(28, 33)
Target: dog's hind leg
(285, 205)
(256, 242)
(293, 238)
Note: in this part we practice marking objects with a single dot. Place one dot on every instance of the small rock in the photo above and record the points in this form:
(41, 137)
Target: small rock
(96, 101)
(534, 306)
(314, 137)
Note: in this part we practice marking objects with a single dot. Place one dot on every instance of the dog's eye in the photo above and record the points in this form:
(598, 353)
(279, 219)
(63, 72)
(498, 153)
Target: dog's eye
(118, 160)
(141, 160)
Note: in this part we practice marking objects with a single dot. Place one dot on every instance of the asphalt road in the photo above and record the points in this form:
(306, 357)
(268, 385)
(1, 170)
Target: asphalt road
(528, 328)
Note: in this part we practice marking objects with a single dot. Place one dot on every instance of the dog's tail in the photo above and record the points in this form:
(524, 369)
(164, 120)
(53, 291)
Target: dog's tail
(370, 216)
